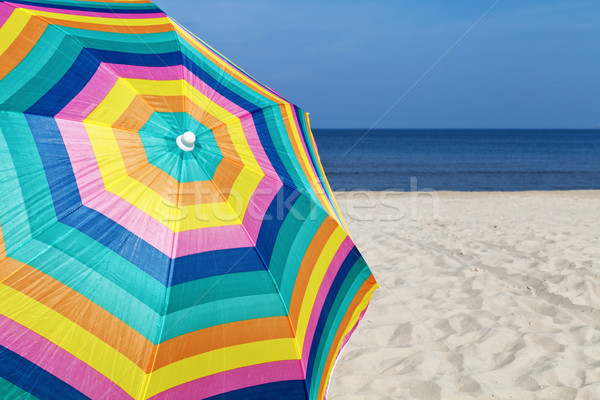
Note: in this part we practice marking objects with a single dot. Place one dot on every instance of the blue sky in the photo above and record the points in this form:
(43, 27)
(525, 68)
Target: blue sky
(527, 64)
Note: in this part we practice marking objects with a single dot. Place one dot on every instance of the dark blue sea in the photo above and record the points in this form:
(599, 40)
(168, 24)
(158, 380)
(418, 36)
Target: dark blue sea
(465, 160)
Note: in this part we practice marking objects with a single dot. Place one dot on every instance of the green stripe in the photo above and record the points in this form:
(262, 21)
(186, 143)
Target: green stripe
(30, 171)
(12, 392)
(295, 235)
(13, 214)
(222, 312)
(162, 42)
(105, 278)
(40, 70)
(217, 288)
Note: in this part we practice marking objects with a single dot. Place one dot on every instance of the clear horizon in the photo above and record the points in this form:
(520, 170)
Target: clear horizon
(476, 65)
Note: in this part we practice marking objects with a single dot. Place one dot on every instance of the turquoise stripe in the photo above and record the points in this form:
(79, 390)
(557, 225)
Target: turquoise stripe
(281, 141)
(272, 114)
(314, 156)
(30, 171)
(163, 42)
(13, 214)
(46, 63)
(217, 288)
(100, 280)
(198, 165)
(220, 75)
(12, 392)
(222, 312)
(111, 40)
(296, 233)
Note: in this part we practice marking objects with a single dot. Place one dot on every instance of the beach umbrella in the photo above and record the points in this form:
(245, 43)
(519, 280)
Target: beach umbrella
(166, 229)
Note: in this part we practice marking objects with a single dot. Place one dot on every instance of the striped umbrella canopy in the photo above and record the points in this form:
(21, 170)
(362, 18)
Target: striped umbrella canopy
(166, 228)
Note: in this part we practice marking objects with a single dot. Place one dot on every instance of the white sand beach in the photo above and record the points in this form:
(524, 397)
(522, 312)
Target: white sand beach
(492, 295)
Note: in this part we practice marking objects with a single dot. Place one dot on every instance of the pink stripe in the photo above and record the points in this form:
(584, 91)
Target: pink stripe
(258, 205)
(174, 73)
(5, 12)
(107, 14)
(57, 361)
(83, 159)
(90, 96)
(228, 381)
(332, 271)
(105, 78)
(93, 194)
(149, 73)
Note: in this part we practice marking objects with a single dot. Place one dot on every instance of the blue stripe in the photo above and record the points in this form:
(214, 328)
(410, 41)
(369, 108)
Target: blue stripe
(56, 162)
(178, 58)
(65, 193)
(29, 377)
(339, 280)
(139, 59)
(273, 220)
(68, 208)
(288, 390)
(107, 9)
(218, 262)
(70, 85)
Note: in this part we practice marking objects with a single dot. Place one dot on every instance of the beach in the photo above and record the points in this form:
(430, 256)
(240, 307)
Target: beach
(484, 295)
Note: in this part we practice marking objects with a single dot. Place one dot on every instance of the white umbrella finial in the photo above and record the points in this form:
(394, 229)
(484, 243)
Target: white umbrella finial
(186, 141)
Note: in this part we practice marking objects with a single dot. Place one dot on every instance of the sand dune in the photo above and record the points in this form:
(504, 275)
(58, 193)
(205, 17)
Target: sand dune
(483, 296)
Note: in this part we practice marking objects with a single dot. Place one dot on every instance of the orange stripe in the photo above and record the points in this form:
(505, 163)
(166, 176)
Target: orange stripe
(22, 45)
(308, 263)
(333, 353)
(183, 104)
(135, 115)
(251, 83)
(221, 336)
(8, 266)
(81, 311)
(122, 337)
(184, 194)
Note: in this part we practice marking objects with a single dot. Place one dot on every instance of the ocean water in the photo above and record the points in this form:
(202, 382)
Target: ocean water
(464, 160)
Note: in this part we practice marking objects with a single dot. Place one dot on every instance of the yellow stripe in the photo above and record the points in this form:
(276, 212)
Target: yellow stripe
(216, 361)
(12, 28)
(71, 337)
(118, 182)
(183, 218)
(105, 21)
(183, 88)
(353, 321)
(211, 54)
(97, 354)
(340, 219)
(113, 105)
(314, 283)
(302, 157)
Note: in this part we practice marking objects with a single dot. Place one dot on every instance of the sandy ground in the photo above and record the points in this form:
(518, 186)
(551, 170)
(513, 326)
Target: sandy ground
(483, 296)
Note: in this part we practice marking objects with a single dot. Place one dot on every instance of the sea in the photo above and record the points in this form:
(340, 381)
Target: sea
(460, 160)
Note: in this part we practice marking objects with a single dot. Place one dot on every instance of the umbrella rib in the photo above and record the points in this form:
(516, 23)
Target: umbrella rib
(266, 267)
(161, 326)
(261, 174)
